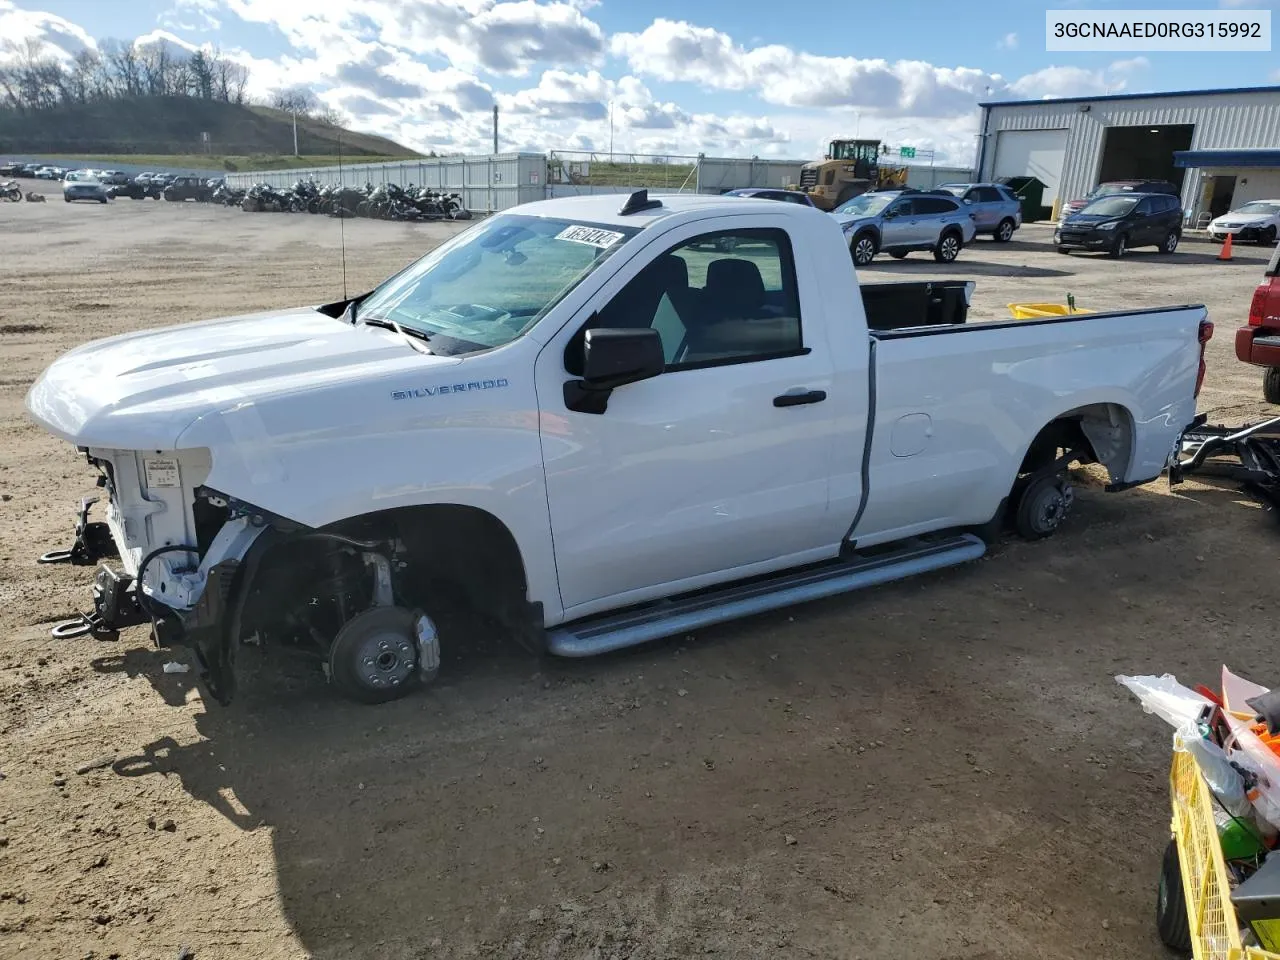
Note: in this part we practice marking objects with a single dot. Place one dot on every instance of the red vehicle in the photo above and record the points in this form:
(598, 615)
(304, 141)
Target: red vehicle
(1259, 342)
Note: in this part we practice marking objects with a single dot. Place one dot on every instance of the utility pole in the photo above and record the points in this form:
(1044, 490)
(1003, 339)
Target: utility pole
(611, 131)
(495, 128)
(295, 131)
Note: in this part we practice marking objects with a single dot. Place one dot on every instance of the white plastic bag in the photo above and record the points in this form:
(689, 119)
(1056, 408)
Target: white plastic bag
(1223, 779)
(1164, 696)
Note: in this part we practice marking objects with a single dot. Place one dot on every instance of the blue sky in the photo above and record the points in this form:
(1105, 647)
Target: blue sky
(730, 77)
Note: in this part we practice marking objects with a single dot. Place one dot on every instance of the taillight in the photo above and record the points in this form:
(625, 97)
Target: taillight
(1260, 294)
(1206, 334)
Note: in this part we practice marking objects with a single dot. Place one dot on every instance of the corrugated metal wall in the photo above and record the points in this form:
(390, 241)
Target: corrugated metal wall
(923, 178)
(1221, 121)
(718, 174)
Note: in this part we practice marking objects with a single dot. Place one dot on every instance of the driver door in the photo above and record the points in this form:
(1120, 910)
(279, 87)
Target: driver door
(900, 226)
(719, 467)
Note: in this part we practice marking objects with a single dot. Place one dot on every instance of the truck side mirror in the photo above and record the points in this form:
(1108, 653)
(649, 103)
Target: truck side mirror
(612, 358)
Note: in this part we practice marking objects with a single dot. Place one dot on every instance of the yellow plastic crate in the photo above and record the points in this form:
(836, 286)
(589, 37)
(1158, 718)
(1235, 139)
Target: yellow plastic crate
(1037, 311)
(1215, 931)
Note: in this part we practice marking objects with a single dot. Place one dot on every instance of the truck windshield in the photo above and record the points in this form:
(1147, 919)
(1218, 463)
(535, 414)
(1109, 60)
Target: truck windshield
(866, 205)
(489, 285)
(1111, 206)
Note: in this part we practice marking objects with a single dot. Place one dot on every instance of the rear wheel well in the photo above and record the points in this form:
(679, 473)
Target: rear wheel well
(1099, 432)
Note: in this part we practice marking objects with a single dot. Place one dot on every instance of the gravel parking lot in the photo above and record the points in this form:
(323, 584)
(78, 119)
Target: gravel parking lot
(941, 768)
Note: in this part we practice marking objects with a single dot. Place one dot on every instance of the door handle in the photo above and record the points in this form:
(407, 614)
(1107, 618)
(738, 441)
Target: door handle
(796, 399)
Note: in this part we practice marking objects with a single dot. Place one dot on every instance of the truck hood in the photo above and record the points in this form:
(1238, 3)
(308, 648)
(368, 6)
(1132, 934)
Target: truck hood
(140, 390)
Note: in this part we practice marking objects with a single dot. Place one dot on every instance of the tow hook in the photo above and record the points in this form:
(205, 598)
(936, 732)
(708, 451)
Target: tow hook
(115, 606)
(92, 543)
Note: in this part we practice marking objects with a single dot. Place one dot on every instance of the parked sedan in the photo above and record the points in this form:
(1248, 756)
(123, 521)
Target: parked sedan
(1258, 221)
(900, 221)
(1116, 224)
(998, 209)
(81, 187)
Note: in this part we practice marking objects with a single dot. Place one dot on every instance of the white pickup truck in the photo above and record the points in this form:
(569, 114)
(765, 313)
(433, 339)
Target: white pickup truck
(596, 426)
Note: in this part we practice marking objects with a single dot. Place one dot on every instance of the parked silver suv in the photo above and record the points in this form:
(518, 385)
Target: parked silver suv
(998, 208)
(899, 221)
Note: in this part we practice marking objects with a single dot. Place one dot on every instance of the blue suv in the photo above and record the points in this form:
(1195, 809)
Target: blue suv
(897, 222)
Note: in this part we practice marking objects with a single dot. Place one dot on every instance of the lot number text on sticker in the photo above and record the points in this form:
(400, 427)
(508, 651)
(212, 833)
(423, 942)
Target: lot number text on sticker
(592, 236)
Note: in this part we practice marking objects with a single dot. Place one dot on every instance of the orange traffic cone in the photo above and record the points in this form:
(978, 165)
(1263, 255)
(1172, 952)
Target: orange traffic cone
(1225, 254)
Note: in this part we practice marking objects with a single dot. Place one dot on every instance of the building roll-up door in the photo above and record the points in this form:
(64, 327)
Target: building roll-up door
(1032, 153)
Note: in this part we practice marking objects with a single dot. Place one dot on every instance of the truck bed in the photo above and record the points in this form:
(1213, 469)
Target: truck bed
(939, 438)
(905, 305)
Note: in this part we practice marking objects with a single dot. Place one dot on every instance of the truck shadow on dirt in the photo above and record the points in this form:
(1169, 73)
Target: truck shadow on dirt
(386, 823)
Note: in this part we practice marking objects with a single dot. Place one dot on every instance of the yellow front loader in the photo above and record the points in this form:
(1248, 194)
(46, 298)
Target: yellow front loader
(850, 167)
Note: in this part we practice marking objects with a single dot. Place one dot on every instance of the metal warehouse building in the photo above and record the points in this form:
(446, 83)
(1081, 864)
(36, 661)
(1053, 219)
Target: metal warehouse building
(1222, 147)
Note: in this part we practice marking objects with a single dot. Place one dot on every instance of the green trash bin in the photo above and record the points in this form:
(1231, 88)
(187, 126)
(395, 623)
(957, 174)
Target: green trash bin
(1030, 191)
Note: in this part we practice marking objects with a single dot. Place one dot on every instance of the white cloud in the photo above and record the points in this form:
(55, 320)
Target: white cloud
(1077, 81)
(500, 36)
(673, 50)
(194, 16)
(1008, 42)
(173, 45)
(54, 36)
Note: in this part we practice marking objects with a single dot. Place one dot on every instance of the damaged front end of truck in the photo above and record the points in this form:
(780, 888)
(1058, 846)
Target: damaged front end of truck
(212, 573)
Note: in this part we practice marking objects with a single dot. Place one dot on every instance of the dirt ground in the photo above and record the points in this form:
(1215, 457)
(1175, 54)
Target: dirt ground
(940, 768)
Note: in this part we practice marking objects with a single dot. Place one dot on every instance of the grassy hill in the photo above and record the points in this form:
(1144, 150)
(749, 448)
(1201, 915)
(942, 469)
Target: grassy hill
(171, 127)
(229, 163)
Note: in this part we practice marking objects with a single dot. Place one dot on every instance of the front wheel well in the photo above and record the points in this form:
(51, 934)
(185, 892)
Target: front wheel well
(461, 552)
(458, 563)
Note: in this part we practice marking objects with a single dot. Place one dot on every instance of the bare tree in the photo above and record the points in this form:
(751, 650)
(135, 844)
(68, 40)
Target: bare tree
(155, 69)
(230, 78)
(83, 76)
(31, 79)
(126, 71)
(295, 100)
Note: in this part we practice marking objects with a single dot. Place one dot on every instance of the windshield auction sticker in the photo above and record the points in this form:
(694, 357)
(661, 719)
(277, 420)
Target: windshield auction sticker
(591, 236)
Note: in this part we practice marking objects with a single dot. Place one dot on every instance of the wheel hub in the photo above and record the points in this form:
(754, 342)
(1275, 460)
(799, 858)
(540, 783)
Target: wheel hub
(386, 659)
(1052, 507)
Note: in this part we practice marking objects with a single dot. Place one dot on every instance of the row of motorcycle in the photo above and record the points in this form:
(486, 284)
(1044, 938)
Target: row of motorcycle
(388, 201)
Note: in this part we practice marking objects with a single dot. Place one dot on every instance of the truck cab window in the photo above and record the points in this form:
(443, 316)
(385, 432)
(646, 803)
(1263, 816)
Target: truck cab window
(728, 297)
